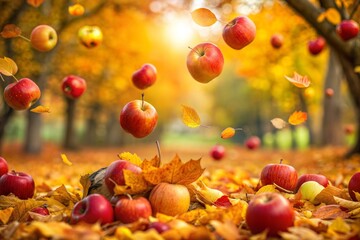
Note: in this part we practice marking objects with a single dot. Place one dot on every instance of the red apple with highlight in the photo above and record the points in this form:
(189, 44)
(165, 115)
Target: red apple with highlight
(321, 179)
(43, 38)
(347, 29)
(73, 86)
(128, 209)
(239, 32)
(283, 175)
(4, 168)
(277, 40)
(22, 94)
(20, 184)
(145, 76)
(316, 46)
(217, 152)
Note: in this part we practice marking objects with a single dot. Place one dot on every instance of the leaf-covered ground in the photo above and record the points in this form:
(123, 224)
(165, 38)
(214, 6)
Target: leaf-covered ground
(236, 175)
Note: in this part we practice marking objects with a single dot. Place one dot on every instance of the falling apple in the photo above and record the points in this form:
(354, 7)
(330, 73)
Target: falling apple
(205, 62)
(43, 38)
(316, 46)
(329, 92)
(144, 77)
(90, 36)
(217, 152)
(347, 29)
(73, 86)
(239, 32)
(22, 94)
(277, 40)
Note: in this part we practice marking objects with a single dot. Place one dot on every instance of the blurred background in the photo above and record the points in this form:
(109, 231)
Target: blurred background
(250, 92)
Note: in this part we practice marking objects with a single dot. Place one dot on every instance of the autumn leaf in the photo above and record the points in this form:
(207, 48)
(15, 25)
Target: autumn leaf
(76, 10)
(35, 3)
(339, 226)
(267, 188)
(298, 80)
(228, 133)
(227, 230)
(333, 16)
(85, 183)
(321, 17)
(10, 31)
(66, 160)
(130, 157)
(278, 123)
(328, 194)
(203, 17)
(297, 118)
(5, 215)
(41, 109)
(134, 183)
(21, 209)
(330, 212)
(190, 117)
(223, 201)
(8, 67)
(206, 195)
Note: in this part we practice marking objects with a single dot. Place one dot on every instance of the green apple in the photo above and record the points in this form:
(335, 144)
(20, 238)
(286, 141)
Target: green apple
(309, 190)
(90, 36)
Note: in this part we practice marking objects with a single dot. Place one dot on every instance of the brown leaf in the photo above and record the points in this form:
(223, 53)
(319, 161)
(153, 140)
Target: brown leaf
(327, 195)
(300, 233)
(10, 31)
(228, 133)
(147, 164)
(35, 3)
(330, 212)
(348, 204)
(227, 230)
(190, 117)
(188, 172)
(203, 17)
(297, 118)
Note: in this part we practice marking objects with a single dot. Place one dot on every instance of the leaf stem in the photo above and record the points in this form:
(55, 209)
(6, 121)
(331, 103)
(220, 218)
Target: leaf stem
(15, 78)
(159, 151)
(2, 78)
(25, 38)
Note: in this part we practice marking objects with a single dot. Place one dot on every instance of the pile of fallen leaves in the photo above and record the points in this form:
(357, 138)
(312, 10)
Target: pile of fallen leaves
(220, 196)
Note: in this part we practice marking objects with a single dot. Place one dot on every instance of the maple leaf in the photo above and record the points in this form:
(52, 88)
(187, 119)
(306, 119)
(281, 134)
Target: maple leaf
(203, 17)
(190, 117)
(297, 118)
(10, 31)
(134, 184)
(130, 157)
(298, 80)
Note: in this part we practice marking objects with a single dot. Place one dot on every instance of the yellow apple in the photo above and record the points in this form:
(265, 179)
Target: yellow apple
(90, 36)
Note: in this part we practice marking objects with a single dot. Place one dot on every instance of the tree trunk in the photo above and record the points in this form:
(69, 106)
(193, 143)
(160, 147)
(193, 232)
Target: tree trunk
(33, 139)
(331, 133)
(70, 134)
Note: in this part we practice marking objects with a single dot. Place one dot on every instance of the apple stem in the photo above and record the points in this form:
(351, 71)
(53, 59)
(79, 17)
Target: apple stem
(281, 160)
(129, 196)
(194, 50)
(25, 38)
(159, 151)
(142, 101)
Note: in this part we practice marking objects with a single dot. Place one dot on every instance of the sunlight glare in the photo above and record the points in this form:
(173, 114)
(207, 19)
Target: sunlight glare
(179, 31)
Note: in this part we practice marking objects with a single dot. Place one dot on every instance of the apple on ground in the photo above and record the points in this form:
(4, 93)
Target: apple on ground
(347, 29)
(139, 118)
(269, 211)
(20, 184)
(253, 142)
(145, 76)
(309, 190)
(90, 36)
(128, 209)
(217, 152)
(38, 213)
(22, 94)
(239, 32)
(43, 38)
(205, 62)
(170, 199)
(321, 179)
(282, 175)
(4, 167)
(115, 173)
(160, 227)
(316, 46)
(94, 208)
(73, 86)
(354, 186)
(277, 40)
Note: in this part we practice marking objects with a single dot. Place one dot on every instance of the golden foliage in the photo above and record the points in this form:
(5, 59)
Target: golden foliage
(190, 117)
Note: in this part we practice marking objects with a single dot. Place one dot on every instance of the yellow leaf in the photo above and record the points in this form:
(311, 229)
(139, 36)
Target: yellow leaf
(131, 157)
(297, 118)
(134, 183)
(298, 80)
(123, 233)
(228, 133)
(203, 17)
(76, 10)
(278, 123)
(85, 183)
(5, 215)
(35, 3)
(205, 194)
(321, 17)
(267, 188)
(333, 16)
(65, 160)
(8, 67)
(190, 117)
(357, 69)
(339, 225)
(41, 109)
(10, 31)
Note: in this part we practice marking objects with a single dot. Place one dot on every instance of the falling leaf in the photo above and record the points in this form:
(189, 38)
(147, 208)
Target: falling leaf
(8, 67)
(298, 80)
(10, 31)
(190, 117)
(297, 118)
(203, 17)
(278, 123)
(228, 133)
(66, 160)
(76, 10)
(321, 17)
(130, 157)
(35, 3)
(41, 109)
(333, 16)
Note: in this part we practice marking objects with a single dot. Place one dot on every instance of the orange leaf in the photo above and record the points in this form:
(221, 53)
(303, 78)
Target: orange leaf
(134, 183)
(321, 17)
(228, 133)
(65, 160)
(133, 158)
(190, 117)
(41, 109)
(298, 80)
(35, 3)
(10, 31)
(333, 16)
(297, 118)
(203, 17)
(8, 67)
(330, 212)
(76, 10)
(278, 123)
(5, 215)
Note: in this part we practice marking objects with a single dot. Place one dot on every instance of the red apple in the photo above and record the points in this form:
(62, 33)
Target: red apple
(4, 168)
(42, 211)
(354, 186)
(92, 209)
(321, 179)
(283, 175)
(329, 92)
(43, 38)
(145, 76)
(138, 118)
(128, 210)
(253, 142)
(316, 46)
(277, 40)
(115, 173)
(20, 184)
(169, 199)
(239, 32)
(217, 152)
(90, 36)
(22, 94)
(347, 29)
(269, 211)
(160, 227)
(205, 62)
(73, 86)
